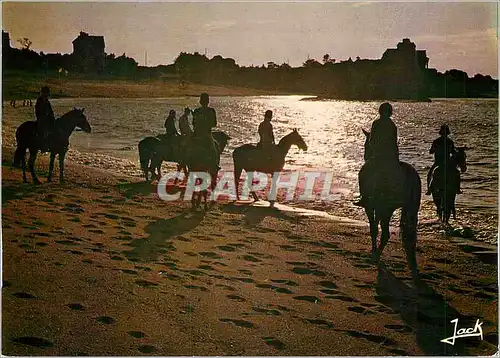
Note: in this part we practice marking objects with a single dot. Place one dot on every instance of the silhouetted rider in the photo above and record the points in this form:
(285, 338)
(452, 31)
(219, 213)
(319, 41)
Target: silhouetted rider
(383, 161)
(204, 119)
(266, 132)
(442, 148)
(170, 124)
(45, 118)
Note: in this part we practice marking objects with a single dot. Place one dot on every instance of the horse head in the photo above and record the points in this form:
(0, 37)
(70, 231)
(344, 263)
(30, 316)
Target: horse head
(222, 139)
(294, 138)
(460, 158)
(367, 144)
(81, 120)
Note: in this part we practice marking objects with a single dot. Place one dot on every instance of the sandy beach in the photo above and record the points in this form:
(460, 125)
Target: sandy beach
(101, 266)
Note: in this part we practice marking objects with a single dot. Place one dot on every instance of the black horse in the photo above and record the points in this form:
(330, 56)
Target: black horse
(27, 138)
(153, 151)
(382, 204)
(444, 184)
(251, 159)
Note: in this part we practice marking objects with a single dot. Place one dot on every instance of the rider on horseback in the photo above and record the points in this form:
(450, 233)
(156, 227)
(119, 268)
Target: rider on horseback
(442, 148)
(383, 162)
(45, 118)
(184, 123)
(204, 119)
(170, 124)
(266, 143)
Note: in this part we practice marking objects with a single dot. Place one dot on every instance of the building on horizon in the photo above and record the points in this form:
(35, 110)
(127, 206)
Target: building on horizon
(88, 53)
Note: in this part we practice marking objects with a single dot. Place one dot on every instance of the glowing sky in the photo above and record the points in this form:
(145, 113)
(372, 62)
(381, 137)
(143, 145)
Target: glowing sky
(455, 35)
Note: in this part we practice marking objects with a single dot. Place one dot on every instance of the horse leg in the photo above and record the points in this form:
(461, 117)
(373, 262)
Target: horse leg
(31, 165)
(62, 155)
(51, 166)
(373, 230)
(384, 236)
(237, 174)
(274, 180)
(23, 165)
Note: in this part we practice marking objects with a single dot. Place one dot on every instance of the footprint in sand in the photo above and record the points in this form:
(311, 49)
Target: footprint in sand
(34, 342)
(373, 338)
(399, 328)
(312, 299)
(225, 287)
(206, 267)
(212, 255)
(250, 258)
(24, 295)
(226, 248)
(236, 298)
(284, 290)
(106, 320)
(239, 322)
(266, 311)
(342, 298)
(144, 283)
(66, 242)
(130, 272)
(274, 342)
(194, 287)
(246, 272)
(137, 334)
(320, 322)
(75, 306)
(146, 349)
(360, 310)
(243, 279)
(306, 271)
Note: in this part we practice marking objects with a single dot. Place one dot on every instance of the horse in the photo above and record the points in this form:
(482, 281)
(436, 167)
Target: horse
(250, 158)
(380, 207)
(199, 163)
(154, 150)
(27, 138)
(444, 183)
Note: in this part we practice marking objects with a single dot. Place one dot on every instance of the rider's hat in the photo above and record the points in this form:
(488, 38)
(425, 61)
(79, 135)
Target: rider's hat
(268, 113)
(444, 130)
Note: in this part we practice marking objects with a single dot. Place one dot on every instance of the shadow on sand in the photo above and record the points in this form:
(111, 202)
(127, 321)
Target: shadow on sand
(160, 232)
(254, 215)
(427, 312)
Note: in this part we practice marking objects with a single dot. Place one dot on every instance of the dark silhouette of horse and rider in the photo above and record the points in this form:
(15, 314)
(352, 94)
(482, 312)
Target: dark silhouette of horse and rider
(385, 182)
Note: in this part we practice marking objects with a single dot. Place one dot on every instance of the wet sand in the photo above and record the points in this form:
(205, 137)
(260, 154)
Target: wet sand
(100, 266)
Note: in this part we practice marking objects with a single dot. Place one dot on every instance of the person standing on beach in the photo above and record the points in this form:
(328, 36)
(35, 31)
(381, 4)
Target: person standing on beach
(204, 119)
(45, 118)
(170, 124)
(383, 163)
(442, 148)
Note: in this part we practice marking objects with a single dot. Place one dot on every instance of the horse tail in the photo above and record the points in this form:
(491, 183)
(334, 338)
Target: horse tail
(144, 157)
(237, 171)
(19, 155)
(409, 216)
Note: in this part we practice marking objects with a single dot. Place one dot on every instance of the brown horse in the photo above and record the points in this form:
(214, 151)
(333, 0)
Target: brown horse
(251, 159)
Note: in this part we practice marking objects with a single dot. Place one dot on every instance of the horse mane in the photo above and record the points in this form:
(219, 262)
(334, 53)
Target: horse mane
(67, 114)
